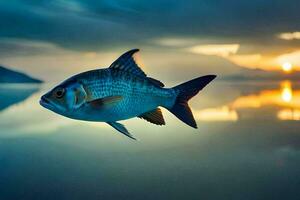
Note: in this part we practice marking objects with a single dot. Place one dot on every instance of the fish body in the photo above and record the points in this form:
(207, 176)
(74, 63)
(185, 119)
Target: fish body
(120, 92)
(138, 95)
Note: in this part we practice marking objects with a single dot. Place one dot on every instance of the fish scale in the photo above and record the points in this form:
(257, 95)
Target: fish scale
(138, 94)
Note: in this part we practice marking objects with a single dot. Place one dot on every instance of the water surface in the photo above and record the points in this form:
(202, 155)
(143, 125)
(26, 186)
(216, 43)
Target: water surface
(247, 146)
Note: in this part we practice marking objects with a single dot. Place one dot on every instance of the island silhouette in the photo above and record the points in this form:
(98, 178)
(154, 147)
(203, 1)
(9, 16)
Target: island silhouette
(12, 76)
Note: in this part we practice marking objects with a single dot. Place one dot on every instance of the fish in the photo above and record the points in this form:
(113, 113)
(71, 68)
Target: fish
(122, 91)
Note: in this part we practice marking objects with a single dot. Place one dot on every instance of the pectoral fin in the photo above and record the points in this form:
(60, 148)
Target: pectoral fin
(121, 128)
(106, 101)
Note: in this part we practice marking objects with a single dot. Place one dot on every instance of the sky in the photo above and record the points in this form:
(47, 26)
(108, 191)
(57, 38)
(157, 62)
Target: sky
(178, 39)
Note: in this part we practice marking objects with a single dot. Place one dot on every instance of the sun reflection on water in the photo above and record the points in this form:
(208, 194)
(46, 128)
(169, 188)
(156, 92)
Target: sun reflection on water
(223, 113)
(289, 114)
(284, 101)
(286, 93)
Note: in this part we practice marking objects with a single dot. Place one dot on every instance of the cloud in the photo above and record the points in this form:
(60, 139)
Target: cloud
(96, 25)
(69, 29)
(265, 61)
(290, 36)
(230, 53)
(21, 47)
(293, 58)
(176, 42)
(247, 60)
(223, 50)
(253, 61)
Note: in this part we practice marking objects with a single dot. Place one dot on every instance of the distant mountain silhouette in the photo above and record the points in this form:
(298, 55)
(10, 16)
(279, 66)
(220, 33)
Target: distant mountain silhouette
(258, 74)
(11, 95)
(11, 76)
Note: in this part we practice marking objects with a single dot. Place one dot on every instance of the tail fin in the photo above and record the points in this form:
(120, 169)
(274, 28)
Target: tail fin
(187, 90)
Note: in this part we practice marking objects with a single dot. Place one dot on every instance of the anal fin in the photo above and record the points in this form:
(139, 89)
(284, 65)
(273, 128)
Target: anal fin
(121, 128)
(154, 116)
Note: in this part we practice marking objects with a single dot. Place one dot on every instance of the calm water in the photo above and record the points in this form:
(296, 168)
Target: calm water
(247, 146)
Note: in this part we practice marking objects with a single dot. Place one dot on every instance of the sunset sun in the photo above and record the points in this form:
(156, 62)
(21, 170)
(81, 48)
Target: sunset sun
(287, 67)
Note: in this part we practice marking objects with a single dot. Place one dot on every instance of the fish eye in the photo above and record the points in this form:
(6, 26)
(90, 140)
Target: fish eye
(59, 92)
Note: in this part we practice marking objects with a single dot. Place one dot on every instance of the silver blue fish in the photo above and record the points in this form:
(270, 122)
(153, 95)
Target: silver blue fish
(120, 92)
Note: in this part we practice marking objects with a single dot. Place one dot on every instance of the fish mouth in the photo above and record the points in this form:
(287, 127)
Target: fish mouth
(45, 102)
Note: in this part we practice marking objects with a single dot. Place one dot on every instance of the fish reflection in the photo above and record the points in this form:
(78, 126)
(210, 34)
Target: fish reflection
(282, 103)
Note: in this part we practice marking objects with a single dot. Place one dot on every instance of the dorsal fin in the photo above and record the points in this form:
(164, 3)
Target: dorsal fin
(154, 116)
(127, 63)
(156, 82)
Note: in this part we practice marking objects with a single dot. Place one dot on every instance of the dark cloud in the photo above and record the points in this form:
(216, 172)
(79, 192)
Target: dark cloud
(94, 24)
